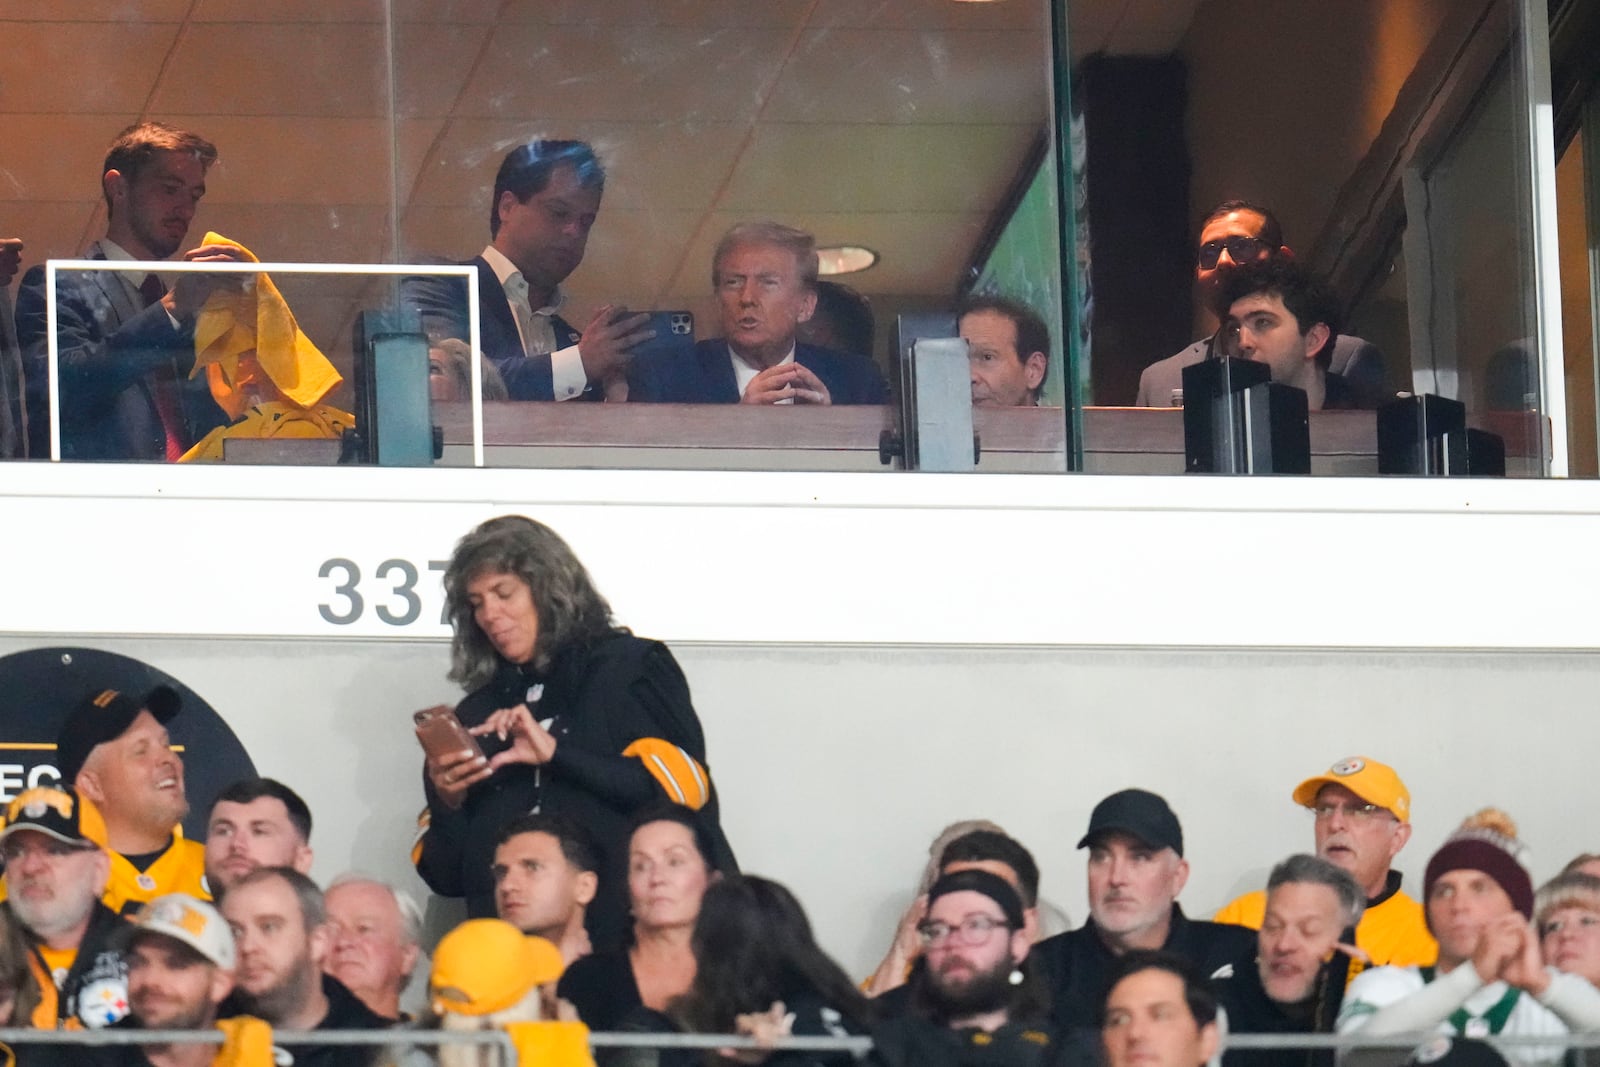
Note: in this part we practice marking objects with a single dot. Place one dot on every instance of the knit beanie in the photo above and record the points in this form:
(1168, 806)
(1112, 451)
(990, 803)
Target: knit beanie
(1486, 842)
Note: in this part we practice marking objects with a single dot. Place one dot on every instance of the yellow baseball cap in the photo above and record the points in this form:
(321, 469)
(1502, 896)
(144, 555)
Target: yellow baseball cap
(487, 965)
(1376, 783)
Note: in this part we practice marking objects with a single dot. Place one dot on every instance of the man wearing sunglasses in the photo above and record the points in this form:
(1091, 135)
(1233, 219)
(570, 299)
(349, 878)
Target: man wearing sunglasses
(1235, 233)
(1360, 812)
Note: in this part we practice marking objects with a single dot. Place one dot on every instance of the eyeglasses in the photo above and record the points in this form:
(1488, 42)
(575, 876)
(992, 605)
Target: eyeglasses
(13, 850)
(973, 931)
(1584, 924)
(1240, 250)
(1358, 813)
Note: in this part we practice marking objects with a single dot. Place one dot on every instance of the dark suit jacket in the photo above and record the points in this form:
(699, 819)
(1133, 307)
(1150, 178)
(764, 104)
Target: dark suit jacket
(442, 303)
(706, 377)
(109, 350)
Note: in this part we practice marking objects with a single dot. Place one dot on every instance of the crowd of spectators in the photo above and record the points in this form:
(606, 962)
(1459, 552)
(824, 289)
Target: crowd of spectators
(132, 385)
(572, 806)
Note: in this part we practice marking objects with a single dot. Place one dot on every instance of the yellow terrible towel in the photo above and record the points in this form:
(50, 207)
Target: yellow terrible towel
(247, 1043)
(241, 331)
(551, 1044)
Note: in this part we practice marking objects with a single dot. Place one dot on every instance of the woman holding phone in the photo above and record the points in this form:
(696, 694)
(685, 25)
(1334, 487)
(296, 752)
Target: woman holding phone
(573, 715)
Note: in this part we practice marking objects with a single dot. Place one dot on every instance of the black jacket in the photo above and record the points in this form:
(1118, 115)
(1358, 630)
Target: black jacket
(1251, 1011)
(1075, 964)
(598, 698)
(910, 1041)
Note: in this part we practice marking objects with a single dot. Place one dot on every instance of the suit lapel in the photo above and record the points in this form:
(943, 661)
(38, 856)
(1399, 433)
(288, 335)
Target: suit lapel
(493, 300)
(716, 366)
(115, 286)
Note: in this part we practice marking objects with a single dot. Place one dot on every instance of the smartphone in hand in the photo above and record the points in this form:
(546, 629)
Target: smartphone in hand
(442, 734)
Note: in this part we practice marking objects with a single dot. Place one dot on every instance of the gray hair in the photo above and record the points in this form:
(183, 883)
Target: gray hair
(798, 243)
(458, 365)
(405, 904)
(571, 609)
(1303, 869)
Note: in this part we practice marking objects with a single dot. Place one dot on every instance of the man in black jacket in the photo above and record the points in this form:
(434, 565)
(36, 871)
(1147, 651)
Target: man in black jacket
(55, 850)
(280, 928)
(1136, 871)
(1297, 982)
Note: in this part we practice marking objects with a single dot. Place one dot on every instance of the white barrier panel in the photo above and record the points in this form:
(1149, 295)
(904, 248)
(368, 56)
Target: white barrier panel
(819, 558)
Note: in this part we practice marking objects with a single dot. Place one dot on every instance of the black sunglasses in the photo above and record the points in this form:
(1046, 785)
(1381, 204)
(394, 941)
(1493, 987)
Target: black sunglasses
(1240, 250)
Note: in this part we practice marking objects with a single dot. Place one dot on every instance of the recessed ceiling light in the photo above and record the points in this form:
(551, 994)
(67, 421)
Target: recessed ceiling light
(844, 259)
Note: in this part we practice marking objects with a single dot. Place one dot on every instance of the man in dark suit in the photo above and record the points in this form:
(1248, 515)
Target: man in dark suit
(126, 342)
(765, 276)
(546, 199)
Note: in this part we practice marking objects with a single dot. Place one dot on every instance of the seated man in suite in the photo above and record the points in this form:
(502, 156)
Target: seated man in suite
(765, 276)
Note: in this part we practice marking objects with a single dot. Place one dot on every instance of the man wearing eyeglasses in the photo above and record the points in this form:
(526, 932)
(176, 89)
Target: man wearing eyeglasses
(976, 996)
(1360, 809)
(54, 845)
(1235, 233)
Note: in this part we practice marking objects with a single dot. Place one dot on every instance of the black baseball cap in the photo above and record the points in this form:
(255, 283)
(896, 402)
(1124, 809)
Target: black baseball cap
(1140, 813)
(105, 716)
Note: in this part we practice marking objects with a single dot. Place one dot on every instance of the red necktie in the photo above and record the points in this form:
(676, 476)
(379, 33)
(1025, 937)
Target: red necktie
(164, 389)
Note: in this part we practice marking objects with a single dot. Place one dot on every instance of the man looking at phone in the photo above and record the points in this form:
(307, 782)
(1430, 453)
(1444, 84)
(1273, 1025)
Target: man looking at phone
(546, 199)
(765, 277)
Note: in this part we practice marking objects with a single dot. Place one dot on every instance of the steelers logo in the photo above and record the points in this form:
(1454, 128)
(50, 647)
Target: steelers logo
(35, 810)
(1346, 767)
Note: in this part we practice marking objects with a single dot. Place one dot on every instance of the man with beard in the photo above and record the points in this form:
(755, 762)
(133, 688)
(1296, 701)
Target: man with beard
(1136, 871)
(281, 932)
(114, 750)
(1293, 988)
(546, 199)
(1490, 978)
(180, 968)
(126, 342)
(256, 822)
(975, 1001)
(54, 846)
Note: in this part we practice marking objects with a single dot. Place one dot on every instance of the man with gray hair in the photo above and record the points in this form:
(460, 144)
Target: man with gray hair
(1297, 982)
(377, 930)
(765, 278)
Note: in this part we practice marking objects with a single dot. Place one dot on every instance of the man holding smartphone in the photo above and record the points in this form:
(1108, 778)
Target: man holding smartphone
(546, 199)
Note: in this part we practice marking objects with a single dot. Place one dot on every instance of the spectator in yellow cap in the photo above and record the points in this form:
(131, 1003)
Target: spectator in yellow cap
(488, 974)
(1361, 811)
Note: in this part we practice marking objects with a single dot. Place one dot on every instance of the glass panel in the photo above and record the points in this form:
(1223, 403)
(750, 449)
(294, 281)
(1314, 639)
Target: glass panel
(1396, 174)
(918, 131)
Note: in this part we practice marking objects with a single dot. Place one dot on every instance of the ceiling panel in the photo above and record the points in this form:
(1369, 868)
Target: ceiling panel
(866, 169)
(126, 12)
(700, 13)
(432, 64)
(289, 11)
(278, 69)
(935, 14)
(659, 167)
(296, 160)
(46, 71)
(910, 76)
(633, 72)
